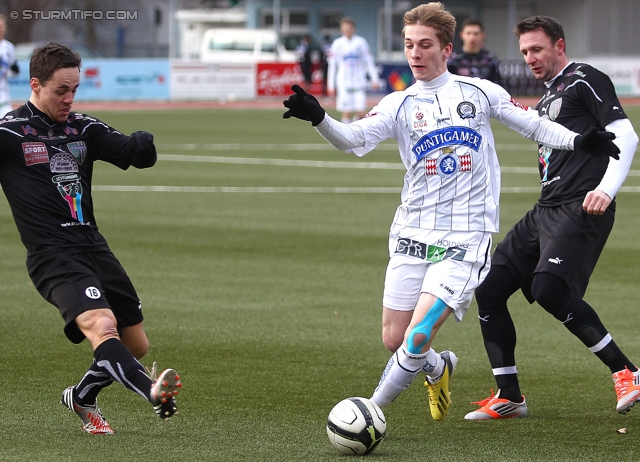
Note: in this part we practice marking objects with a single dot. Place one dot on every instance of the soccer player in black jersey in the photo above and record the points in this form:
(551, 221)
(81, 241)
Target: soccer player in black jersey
(46, 165)
(550, 254)
(474, 60)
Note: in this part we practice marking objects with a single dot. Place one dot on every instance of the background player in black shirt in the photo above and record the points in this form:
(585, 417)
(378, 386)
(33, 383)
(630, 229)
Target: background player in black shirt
(474, 60)
(46, 165)
(551, 253)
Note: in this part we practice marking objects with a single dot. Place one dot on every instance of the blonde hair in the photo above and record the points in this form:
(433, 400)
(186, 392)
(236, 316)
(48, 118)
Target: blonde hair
(433, 15)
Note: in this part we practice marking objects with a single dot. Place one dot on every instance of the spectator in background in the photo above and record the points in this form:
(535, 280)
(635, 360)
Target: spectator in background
(304, 58)
(350, 61)
(8, 67)
(325, 50)
(474, 60)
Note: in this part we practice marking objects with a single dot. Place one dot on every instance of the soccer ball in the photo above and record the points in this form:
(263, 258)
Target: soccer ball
(356, 426)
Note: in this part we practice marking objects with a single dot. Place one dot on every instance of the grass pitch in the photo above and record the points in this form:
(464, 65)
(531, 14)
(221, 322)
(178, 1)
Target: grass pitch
(259, 253)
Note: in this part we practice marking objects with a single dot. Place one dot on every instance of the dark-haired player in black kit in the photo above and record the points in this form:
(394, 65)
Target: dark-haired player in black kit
(550, 254)
(46, 165)
(474, 60)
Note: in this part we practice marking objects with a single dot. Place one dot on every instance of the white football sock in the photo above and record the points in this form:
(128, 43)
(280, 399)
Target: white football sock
(434, 367)
(401, 369)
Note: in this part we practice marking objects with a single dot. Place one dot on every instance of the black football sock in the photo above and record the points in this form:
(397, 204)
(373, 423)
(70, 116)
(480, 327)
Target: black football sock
(590, 330)
(113, 358)
(86, 391)
(498, 330)
(553, 294)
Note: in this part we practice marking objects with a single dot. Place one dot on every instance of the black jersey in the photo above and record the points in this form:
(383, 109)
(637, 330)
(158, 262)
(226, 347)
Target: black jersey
(45, 173)
(483, 64)
(580, 98)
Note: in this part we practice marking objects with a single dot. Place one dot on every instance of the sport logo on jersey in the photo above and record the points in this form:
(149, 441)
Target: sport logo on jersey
(449, 136)
(520, 105)
(418, 120)
(448, 164)
(29, 130)
(35, 153)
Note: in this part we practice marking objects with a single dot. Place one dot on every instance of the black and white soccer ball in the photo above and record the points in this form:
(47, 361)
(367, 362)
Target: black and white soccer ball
(356, 426)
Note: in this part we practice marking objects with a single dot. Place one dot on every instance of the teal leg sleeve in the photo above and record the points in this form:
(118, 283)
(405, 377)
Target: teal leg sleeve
(424, 327)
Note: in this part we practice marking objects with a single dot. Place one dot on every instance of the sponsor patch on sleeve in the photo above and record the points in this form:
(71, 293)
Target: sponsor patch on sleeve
(35, 153)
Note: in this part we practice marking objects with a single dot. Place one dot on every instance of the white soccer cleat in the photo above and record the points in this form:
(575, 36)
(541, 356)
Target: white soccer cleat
(163, 391)
(92, 420)
(495, 407)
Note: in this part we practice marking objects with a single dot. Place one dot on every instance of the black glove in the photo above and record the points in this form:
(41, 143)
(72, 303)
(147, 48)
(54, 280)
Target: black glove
(597, 143)
(303, 106)
(142, 149)
(15, 68)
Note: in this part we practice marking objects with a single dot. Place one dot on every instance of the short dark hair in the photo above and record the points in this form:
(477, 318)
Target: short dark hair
(550, 26)
(47, 59)
(472, 22)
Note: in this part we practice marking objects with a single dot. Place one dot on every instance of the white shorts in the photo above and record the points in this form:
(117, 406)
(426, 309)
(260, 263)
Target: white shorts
(351, 100)
(447, 264)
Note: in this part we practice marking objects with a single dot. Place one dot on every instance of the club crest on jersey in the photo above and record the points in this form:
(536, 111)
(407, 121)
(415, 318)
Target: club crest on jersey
(554, 108)
(35, 153)
(466, 110)
(448, 164)
(418, 120)
(448, 136)
(78, 149)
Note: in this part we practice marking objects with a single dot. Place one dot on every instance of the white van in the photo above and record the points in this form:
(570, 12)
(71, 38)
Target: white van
(244, 46)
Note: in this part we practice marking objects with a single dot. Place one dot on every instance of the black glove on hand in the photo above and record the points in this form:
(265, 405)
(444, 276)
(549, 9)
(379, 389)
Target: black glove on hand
(15, 68)
(142, 149)
(303, 105)
(597, 143)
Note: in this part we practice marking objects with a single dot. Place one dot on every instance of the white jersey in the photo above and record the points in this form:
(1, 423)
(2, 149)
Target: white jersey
(446, 143)
(349, 62)
(6, 60)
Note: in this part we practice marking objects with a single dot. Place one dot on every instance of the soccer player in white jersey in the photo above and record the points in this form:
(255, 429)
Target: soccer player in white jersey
(8, 66)
(350, 61)
(440, 238)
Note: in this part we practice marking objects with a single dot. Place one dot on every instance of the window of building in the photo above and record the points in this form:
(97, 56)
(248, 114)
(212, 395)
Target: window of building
(291, 20)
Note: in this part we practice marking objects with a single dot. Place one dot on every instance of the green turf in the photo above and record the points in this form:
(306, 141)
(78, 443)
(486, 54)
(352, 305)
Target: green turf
(268, 305)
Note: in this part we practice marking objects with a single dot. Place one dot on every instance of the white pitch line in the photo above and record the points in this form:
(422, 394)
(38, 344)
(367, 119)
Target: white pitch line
(281, 162)
(294, 189)
(233, 189)
(300, 147)
(320, 163)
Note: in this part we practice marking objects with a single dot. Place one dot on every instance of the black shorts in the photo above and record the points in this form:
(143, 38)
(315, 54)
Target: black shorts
(84, 281)
(563, 240)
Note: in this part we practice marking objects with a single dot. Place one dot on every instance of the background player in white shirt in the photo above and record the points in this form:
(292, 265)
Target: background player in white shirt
(440, 238)
(8, 67)
(350, 61)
